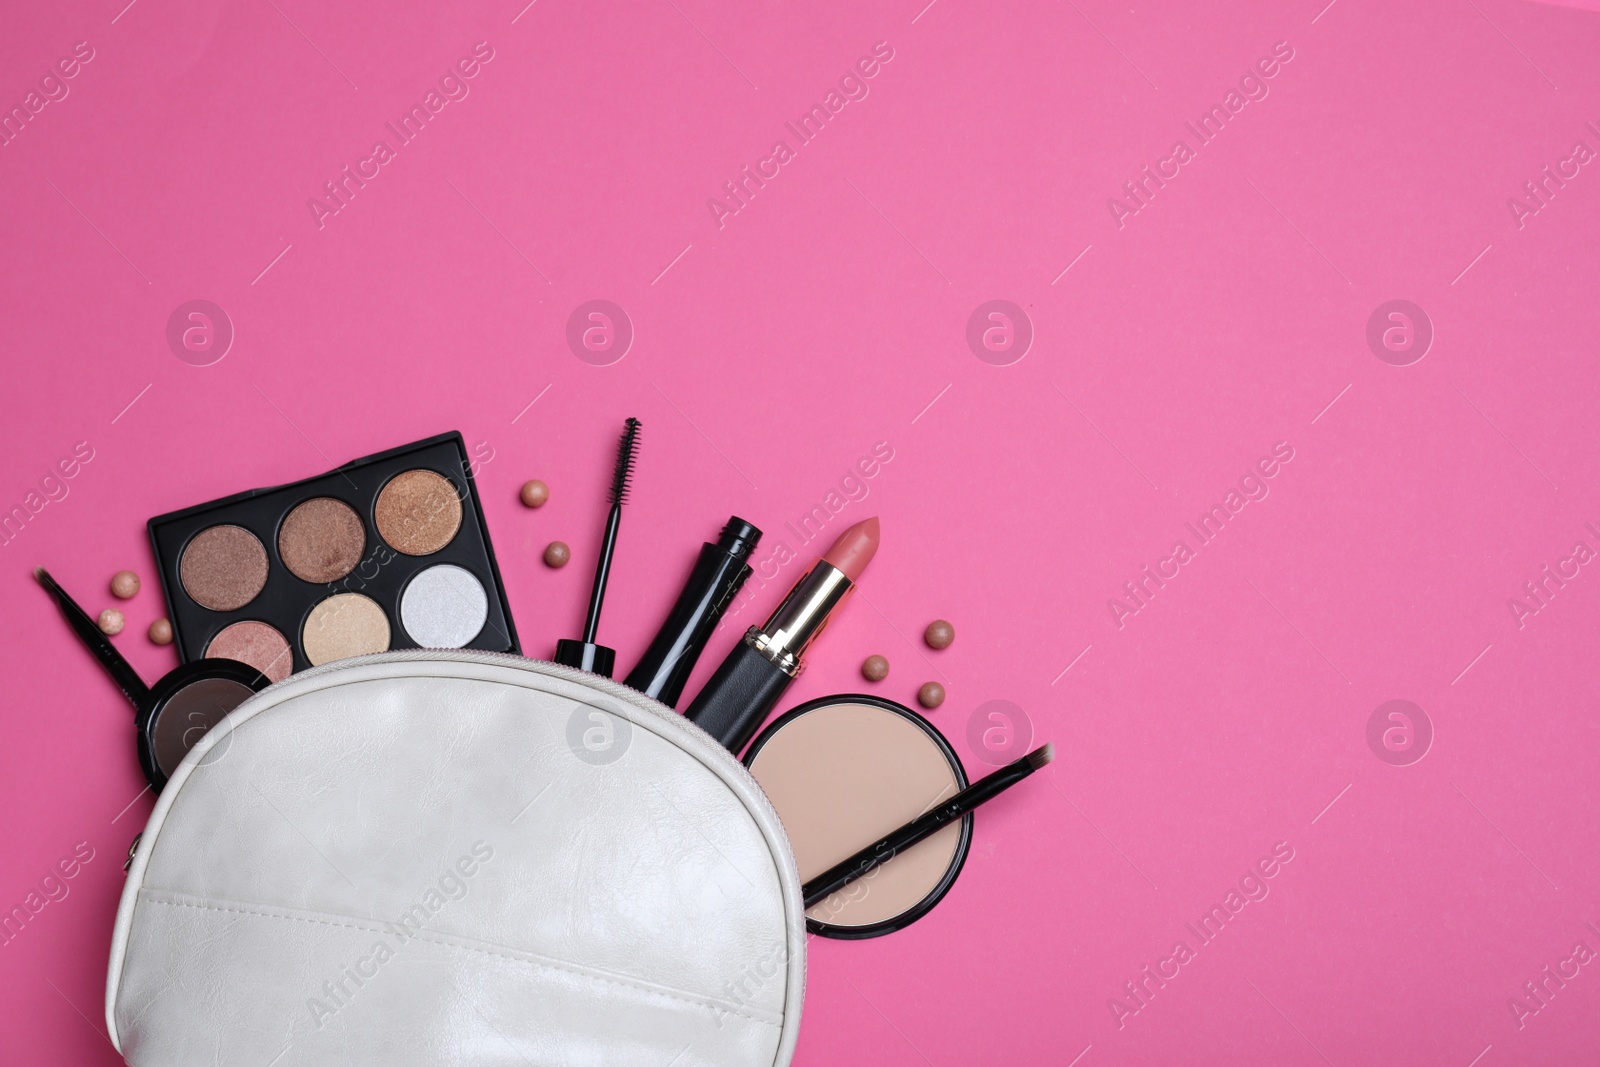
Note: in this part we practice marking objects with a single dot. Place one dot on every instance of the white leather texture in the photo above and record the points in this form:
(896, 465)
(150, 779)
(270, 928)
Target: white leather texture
(458, 858)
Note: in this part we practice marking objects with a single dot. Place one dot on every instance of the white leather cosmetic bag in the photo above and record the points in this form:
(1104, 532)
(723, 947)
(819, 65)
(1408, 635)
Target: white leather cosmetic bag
(458, 858)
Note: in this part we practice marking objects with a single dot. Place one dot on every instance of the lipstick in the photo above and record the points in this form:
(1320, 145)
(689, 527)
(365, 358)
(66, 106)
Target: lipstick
(769, 658)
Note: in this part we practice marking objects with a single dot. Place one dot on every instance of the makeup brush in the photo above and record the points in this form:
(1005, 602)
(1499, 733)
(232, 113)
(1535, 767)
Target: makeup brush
(585, 654)
(169, 716)
(121, 670)
(924, 826)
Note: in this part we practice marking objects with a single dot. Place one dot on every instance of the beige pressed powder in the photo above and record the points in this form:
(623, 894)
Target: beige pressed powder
(845, 774)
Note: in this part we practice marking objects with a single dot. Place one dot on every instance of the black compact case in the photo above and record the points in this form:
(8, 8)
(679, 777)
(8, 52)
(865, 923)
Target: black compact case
(383, 573)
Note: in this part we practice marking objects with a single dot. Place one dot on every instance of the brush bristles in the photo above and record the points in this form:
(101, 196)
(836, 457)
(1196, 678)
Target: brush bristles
(623, 475)
(1040, 756)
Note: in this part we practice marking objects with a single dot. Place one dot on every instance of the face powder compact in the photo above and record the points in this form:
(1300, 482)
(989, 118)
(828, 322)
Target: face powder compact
(170, 716)
(843, 772)
(387, 552)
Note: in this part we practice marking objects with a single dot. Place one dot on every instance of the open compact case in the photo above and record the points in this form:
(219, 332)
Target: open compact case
(843, 771)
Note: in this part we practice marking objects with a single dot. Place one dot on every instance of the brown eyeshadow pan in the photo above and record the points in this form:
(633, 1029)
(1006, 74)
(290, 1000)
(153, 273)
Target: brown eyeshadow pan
(418, 512)
(321, 540)
(223, 567)
(193, 710)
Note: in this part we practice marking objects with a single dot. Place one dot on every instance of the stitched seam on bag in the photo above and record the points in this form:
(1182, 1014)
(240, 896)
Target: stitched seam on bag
(447, 942)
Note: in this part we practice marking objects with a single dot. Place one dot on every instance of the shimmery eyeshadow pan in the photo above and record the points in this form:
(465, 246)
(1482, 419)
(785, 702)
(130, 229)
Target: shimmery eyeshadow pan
(418, 512)
(255, 643)
(844, 771)
(444, 607)
(388, 551)
(224, 567)
(321, 540)
(344, 625)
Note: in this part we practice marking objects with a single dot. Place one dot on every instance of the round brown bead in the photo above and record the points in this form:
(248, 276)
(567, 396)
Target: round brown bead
(124, 585)
(161, 632)
(931, 695)
(939, 634)
(111, 621)
(874, 668)
(556, 554)
(534, 493)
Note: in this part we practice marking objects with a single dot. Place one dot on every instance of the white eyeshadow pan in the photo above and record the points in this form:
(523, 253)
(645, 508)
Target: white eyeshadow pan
(444, 607)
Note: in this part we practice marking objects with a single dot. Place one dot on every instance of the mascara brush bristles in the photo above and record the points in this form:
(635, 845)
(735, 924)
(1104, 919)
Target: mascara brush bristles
(622, 477)
(1041, 756)
(586, 654)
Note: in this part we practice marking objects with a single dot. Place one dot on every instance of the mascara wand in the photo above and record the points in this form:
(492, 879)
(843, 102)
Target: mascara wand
(585, 655)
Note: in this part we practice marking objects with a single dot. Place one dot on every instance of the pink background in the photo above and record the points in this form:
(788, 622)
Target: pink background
(829, 314)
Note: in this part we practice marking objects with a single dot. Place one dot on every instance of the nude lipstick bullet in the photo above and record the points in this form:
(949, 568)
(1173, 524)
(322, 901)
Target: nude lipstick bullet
(770, 657)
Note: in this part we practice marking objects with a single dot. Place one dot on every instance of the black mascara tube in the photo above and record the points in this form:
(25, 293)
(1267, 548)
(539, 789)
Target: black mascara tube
(719, 572)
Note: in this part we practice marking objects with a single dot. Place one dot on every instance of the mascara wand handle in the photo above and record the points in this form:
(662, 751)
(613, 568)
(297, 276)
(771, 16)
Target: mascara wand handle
(602, 571)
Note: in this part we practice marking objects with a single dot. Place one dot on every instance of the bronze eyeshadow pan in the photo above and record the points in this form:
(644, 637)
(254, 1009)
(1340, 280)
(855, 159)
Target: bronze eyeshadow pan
(339, 565)
(322, 539)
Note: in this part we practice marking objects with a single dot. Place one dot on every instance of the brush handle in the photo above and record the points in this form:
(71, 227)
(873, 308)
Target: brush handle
(917, 830)
(121, 670)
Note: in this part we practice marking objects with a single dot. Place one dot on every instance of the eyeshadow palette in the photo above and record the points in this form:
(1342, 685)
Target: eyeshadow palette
(386, 552)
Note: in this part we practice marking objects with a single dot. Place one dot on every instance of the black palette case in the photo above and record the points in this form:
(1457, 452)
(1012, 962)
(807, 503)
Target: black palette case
(382, 575)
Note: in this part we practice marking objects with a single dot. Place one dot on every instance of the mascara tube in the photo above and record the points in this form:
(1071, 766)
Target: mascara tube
(718, 574)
